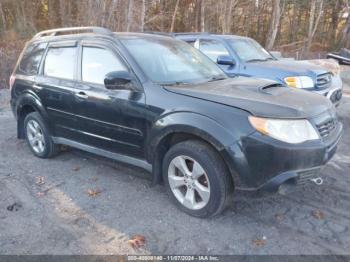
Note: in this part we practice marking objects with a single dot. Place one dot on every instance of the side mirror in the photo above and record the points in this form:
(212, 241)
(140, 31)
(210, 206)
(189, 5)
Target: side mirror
(225, 60)
(118, 80)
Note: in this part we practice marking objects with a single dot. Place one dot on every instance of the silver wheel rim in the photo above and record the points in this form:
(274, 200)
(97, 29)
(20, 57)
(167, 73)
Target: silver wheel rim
(35, 136)
(189, 182)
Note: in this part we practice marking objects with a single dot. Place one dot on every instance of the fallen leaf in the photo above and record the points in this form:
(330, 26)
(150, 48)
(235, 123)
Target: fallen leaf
(137, 241)
(40, 194)
(280, 217)
(14, 207)
(40, 180)
(77, 168)
(318, 214)
(93, 192)
(259, 242)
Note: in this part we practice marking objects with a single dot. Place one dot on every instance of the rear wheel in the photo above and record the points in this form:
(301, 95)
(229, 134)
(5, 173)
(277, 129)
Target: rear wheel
(38, 137)
(196, 178)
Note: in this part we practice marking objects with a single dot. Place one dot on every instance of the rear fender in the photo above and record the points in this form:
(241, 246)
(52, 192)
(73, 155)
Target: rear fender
(25, 100)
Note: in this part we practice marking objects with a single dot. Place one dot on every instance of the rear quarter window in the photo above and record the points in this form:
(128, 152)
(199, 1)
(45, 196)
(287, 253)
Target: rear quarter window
(30, 62)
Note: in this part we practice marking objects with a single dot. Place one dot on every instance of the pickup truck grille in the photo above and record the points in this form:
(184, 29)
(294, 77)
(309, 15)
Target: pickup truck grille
(327, 127)
(324, 81)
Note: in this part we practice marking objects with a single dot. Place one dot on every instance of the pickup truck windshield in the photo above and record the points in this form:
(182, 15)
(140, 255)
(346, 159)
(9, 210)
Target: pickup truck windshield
(172, 62)
(249, 50)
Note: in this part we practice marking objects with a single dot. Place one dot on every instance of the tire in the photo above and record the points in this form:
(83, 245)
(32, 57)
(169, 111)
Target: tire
(35, 131)
(216, 179)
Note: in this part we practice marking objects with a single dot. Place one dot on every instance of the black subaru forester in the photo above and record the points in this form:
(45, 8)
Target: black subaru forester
(158, 103)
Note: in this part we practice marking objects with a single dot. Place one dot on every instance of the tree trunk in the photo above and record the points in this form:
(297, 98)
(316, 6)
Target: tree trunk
(275, 21)
(345, 40)
(202, 15)
(143, 14)
(226, 18)
(4, 24)
(174, 16)
(130, 15)
(313, 23)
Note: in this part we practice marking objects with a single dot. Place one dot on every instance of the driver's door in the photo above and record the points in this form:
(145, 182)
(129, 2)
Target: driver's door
(112, 119)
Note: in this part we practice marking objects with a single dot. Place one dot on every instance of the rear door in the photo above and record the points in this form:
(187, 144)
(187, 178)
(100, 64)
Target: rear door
(112, 120)
(56, 84)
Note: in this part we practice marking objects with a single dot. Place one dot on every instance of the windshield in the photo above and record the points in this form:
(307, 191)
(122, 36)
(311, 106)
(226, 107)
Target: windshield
(249, 50)
(169, 61)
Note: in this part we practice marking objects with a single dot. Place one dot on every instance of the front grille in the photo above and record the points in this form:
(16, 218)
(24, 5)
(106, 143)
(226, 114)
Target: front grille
(324, 81)
(306, 175)
(327, 127)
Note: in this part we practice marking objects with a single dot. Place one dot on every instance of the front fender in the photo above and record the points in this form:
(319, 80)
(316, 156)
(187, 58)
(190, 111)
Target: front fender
(190, 123)
(193, 124)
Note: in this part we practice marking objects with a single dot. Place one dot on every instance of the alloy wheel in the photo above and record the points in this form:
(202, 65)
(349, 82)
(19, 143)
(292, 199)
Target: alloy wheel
(189, 182)
(35, 136)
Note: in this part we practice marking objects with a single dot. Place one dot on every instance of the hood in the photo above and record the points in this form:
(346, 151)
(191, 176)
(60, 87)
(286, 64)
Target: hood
(284, 68)
(260, 97)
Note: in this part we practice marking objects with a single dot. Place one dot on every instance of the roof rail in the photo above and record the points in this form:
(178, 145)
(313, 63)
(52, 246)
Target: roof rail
(191, 33)
(69, 30)
(158, 33)
(175, 34)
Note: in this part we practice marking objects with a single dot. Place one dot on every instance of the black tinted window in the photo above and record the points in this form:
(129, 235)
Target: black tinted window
(31, 59)
(97, 63)
(60, 62)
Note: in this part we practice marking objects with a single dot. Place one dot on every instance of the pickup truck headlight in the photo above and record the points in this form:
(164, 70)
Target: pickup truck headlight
(290, 131)
(299, 81)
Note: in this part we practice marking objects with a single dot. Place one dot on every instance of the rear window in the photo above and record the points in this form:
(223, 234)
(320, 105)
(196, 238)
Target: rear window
(60, 62)
(31, 59)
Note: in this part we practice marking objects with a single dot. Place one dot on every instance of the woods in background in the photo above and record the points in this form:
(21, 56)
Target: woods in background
(306, 24)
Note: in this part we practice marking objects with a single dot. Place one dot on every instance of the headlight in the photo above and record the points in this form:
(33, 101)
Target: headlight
(290, 131)
(299, 81)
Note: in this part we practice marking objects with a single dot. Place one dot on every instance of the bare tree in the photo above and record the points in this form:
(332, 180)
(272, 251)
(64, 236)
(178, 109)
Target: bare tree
(130, 15)
(202, 15)
(227, 7)
(143, 14)
(4, 24)
(316, 9)
(274, 24)
(174, 16)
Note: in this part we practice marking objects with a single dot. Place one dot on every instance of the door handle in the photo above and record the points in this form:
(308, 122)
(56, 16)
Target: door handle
(82, 95)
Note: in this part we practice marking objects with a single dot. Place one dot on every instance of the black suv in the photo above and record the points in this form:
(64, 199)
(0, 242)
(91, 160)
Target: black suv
(158, 103)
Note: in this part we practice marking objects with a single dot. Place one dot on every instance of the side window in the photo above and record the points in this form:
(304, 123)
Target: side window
(60, 62)
(97, 63)
(212, 49)
(30, 62)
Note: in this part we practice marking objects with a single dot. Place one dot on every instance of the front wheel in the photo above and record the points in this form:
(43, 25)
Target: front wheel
(196, 178)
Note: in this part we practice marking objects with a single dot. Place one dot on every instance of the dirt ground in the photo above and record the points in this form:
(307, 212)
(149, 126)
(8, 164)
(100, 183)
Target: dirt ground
(77, 203)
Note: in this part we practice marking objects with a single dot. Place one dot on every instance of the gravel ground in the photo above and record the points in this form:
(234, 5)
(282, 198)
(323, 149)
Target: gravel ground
(46, 208)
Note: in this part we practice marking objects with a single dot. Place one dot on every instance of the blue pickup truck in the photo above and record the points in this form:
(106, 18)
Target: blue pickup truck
(243, 56)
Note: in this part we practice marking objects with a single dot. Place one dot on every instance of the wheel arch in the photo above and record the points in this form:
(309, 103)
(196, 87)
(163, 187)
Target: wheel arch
(26, 104)
(180, 127)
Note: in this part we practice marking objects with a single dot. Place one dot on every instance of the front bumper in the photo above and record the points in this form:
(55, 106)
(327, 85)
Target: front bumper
(264, 164)
(334, 92)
